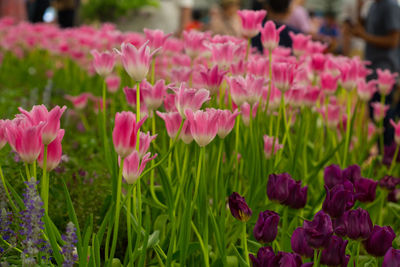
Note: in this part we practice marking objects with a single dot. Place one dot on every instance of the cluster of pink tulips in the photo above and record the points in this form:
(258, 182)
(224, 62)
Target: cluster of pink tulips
(281, 114)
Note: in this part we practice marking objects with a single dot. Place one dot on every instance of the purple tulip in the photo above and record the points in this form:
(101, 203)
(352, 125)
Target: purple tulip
(286, 259)
(307, 264)
(380, 240)
(265, 257)
(352, 173)
(266, 227)
(278, 187)
(356, 224)
(365, 189)
(392, 258)
(239, 208)
(297, 196)
(389, 182)
(319, 230)
(335, 252)
(394, 196)
(299, 243)
(333, 175)
(339, 199)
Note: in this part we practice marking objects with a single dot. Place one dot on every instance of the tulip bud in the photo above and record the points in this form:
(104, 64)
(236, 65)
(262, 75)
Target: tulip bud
(297, 197)
(265, 256)
(339, 199)
(356, 224)
(239, 208)
(266, 227)
(380, 240)
(318, 231)
(278, 187)
(299, 243)
(335, 252)
(365, 189)
(392, 258)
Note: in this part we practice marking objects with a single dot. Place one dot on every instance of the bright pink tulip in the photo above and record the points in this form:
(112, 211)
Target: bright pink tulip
(113, 82)
(386, 80)
(224, 54)
(238, 68)
(181, 74)
(365, 89)
(212, 78)
(173, 45)
(238, 90)
(169, 103)
(54, 152)
(318, 62)
(136, 61)
(311, 97)
(315, 47)
(189, 98)
(133, 166)
(329, 83)
(156, 38)
(186, 135)
(258, 66)
(153, 96)
(348, 71)
(203, 125)
(172, 121)
(103, 62)
(246, 112)
(371, 130)
(251, 21)
(300, 42)
(249, 89)
(194, 42)
(268, 146)
(283, 75)
(125, 132)
(295, 97)
(3, 136)
(25, 138)
(379, 110)
(270, 35)
(331, 114)
(130, 94)
(396, 127)
(79, 101)
(144, 142)
(51, 119)
(226, 122)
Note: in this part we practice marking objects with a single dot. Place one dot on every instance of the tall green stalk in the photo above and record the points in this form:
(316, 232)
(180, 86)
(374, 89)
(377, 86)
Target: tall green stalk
(348, 126)
(45, 182)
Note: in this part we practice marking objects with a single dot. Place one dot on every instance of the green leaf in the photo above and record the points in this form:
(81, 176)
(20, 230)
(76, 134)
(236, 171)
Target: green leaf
(52, 240)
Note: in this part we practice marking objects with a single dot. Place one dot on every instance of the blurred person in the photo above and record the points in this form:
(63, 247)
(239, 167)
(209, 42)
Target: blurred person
(36, 9)
(278, 12)
(224, 19)
(329, 30)
(65, 12)
(196, 22)
(13, 8)
(299, 17)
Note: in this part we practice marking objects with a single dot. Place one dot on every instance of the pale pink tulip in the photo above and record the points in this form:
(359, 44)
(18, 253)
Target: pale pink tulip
(125, 132)
(203, 125)
(156, 38)
(396, 127)
(251, 21)
(194, 42)
(283, 75)
(226, 122)
(144, 142)
(386, 80)
(315, 47)
(258, 66)
(79, 101)
(212, 78)
(189, 98)
(113, 82)
(172, 121)
(329, 83)
(300, 42)
(225, 54)
(245, 108)
(270, 35)
(153, 96)
(379, 110)
(133, 166)
(331, 115)
(268, 146)
(186, 135)
(54, 152)
(366, 90)
(103, 62)
(3, 136)
(348, 71)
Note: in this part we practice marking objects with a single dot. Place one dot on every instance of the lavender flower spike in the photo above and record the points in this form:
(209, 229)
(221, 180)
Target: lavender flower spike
(68, 250)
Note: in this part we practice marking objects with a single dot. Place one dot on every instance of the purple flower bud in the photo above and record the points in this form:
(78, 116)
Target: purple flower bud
(286, 259)
(392, 258)
(266, 227)
(352, 173)
(335, 252)
(278, 187)
(319, 230)
(338, 199)
(356, 224)
(297, 196)
(299, 243)
(389, 182)
(265, 257)
(239, 208)
(380, 240)
(365, 189)
(333, 175)
(394, 196)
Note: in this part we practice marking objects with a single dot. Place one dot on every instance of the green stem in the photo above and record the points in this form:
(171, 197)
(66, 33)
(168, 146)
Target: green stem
(128, 222)
(396, 153)
(117, 212)
(138, 112)
(244, 243)
(28, 173)
(45, 182)
(277, 130)
(153, 68)
(6, 190)
(248, 48)
(201, 156)
(284, 227)
(216, 178)
(381, 143)
(202, 245)
(317, 257)
(235, 159)
(381, 206)
(348, 126)
(357, 253)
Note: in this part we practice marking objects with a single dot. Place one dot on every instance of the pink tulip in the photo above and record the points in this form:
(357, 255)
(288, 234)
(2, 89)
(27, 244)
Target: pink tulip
(300, 42)
(365, 89)
(348, 71)
(315, 47)
(54, 152)
(156, 38)
(332, 65)
(25, 138)
(113, 82)
(331, 115)
(130, 94)
(283, 75)
(246, 112)
(103, 62)
(3, 136)
(169, 103)
(133, 166)
(144, 142)
(203, 125)
(51, 119)
(386, 80)
(371, 130)
(189, 98)
(173, 45)
(251, 21)
(396, 127)
(125, 132)
(317, 62)
(311, 97)
(268, 144)
(136, 61)
(274, 98)
(186, 135)
(153, 96)
(238, 68)
(212, 78)
(194, 41)
(379, 110)
(249, 89)
(295, 97)
(181, 74)
(226, 122)
(270, 35)
(237, 86)
(224, 54)
(172, 121)
(258, 66)
(329, 83)
(79, 101)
